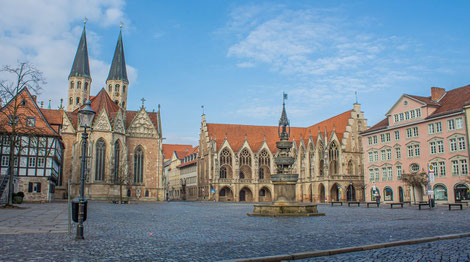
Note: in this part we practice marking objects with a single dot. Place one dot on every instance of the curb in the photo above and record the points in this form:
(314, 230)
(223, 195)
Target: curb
(331, 252)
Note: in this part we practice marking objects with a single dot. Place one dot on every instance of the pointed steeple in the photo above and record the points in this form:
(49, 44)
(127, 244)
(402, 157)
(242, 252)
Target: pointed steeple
(284, 122)
(118, 69)
(81, 66)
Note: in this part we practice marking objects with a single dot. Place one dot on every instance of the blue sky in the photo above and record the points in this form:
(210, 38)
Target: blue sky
(237, 57)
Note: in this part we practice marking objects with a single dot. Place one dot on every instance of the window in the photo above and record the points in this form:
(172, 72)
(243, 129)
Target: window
(384, 157)
(389, 154)
(390, 174)
(399, 172)
(384, 174)
(30, 121)
(223, 172)
(40, 162)
(79, 85)
(387, 137)
(407, 115)
(382, 138)
(34, 187)
(412, 114)
(397, 135)
(138, 165)
(417, 150)
(451, 124)
(414, 167)
(78, 100)
(440, 147)
(431, 129)
(377, 175)
(458, 123)
(32, 162)
(371, 174)
(23, 102)
(463, 165)
(71, 84)
(432, 147)
(455, 167)
(100, 159)
(410, 151)
(369, 140)
(376, 156)
(86, 86)
(418, 112)
(396, 117)
(116, 88)
(5, 160)
(70, 100)
(371, 157)
(415, 131)
(110, 89)
(402, 116)
(409, 132)
(453, 144)
(117, 159)
(461, 142)
(442, 168)
(261, 173)
(438, 127)
(375, 139)
(440, 192)
(398, 152)
(388, 194)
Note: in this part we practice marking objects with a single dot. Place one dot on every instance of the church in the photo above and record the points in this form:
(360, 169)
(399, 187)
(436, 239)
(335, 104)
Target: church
(235, 162)
(124, 146)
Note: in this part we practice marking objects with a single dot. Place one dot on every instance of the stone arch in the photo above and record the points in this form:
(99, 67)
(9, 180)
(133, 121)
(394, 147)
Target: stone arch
(321, 192)
(265, 195)
(225, 194)
(461, 192)
(351, 193)
(245, 195)
(225, 161)
(440, 192)
(388, 194)
(335, 194)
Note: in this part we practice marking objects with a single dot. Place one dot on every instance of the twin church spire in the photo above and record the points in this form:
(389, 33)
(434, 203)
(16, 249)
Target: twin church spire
(80, 77)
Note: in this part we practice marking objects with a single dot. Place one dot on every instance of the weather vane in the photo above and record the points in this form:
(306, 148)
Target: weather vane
(85, 20)
(121, 24)
(143, 101)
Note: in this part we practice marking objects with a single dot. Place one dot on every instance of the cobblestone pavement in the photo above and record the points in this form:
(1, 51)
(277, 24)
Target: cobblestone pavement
(208, 231)
(34, 218)
(445, 250)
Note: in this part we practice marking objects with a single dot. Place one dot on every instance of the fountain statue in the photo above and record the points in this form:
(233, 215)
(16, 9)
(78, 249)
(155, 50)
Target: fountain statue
(285, 181)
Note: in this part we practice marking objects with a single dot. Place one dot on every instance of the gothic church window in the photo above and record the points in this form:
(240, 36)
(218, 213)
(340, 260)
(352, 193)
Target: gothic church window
(86, 86)
(78, 100)
(138, 165)
(79, 85)
(110, 89)
(117, 159)
(223, 172)
(245, 158)
(100, 159)
(70, 100)
(116, 88)
(225, 157)
(71, 84)
(333, 157)
(124, 89)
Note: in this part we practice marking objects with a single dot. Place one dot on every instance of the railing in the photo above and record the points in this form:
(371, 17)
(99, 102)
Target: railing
(225, 180)
(3, 184)
(245, 181)
(264, 181)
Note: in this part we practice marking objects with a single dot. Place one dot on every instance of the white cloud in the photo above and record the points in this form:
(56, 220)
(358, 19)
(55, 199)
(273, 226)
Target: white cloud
(47, 33)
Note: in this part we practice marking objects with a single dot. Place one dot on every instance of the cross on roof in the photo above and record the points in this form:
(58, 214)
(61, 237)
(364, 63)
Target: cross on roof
(143, 101)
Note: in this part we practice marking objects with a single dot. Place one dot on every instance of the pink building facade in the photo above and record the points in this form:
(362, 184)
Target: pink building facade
(418, 132)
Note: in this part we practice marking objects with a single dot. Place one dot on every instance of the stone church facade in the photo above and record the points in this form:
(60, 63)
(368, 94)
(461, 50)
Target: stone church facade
(236, 161)
(124, 146)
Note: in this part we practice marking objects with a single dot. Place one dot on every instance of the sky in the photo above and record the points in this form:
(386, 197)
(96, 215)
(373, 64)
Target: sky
(236, 58)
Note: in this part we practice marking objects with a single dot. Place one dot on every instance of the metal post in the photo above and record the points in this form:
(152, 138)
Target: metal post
(81, 210)
(69, 207)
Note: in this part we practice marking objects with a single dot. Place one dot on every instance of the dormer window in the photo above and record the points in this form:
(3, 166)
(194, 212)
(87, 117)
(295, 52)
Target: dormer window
(405, 103)
(31, 121)
(23, 102)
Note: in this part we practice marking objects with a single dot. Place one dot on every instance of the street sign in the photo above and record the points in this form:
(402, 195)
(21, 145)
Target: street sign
(431, 177)
(430, 192)
(430, 168)
(213, 191)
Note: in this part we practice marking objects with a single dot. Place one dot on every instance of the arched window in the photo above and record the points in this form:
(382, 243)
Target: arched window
(116, 88)
(261, 173)
(71, 84)
(124, 89)
(146, 193)
(100, 159)
(333, 157)
(225, 157)
(86, 86)
(138, 165)
(245, 158)
(388, 194)
(321, 158)
(440, 192)
(79, 85)
(223, 172)
(78, 100)
(123, 103)
(311, 161)
(117, 159)
(110, 88)
(116, 102)
(71, 101)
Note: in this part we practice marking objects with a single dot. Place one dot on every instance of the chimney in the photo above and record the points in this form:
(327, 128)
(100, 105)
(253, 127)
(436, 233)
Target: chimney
(437, 92)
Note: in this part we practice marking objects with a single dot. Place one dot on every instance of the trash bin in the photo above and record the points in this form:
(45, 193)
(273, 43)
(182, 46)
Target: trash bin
(75, 208)
(432, 203)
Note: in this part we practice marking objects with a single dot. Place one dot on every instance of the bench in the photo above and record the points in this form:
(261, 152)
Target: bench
(396, 204)
(117, 201)
(407, 202)
(336, 202)
(422, 204)
(373, 203)
(455, 205)
(354, 203)
(462, 202)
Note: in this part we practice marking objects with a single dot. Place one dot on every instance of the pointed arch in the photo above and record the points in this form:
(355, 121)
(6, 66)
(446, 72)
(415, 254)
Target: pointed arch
(264, 161)
(138, 164)
(117, 160)
(333, 155)
(100, 159)
(245, 164)
(225, 161)
(321, 158)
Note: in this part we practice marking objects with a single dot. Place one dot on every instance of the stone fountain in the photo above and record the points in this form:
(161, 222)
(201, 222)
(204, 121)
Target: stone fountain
(285, 181)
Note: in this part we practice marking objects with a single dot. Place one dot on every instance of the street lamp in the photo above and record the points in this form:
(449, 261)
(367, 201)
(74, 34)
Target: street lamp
(85, 118)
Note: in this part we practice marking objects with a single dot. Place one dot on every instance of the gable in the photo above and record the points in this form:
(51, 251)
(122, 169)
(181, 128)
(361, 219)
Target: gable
(142, 126)
(102, 122)
(67, 126)
(119, 123)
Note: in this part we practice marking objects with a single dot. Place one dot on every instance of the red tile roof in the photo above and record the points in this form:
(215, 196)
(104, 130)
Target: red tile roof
(168, 149)
(192, 162)
(425, 99)
(256, 135)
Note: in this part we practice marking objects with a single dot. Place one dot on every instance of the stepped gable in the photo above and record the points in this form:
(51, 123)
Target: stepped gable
(256, 135)
(168, 149)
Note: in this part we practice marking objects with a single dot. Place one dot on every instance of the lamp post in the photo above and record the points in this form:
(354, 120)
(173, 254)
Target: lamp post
(85, 118)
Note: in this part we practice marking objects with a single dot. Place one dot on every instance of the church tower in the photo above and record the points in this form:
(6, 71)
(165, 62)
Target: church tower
(79, 78)
(117, 82)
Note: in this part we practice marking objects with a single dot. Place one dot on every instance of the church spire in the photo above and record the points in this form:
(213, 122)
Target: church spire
(118, 69)
(81, 66)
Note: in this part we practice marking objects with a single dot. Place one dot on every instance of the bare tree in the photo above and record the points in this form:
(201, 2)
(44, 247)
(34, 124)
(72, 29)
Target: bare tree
(121, 177)
(415, 180)
(14, 113)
